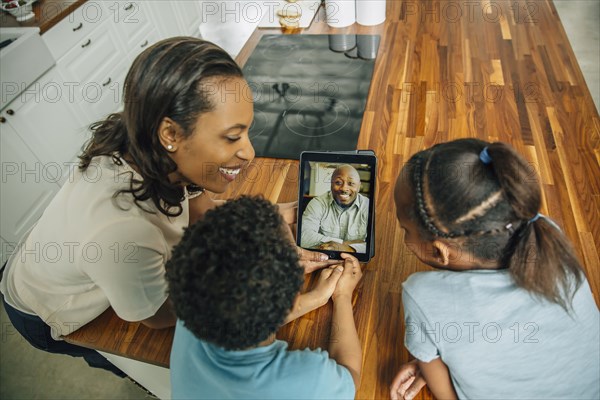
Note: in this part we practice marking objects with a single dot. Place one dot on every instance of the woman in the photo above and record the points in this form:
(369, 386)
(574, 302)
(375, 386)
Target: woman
(104, 239)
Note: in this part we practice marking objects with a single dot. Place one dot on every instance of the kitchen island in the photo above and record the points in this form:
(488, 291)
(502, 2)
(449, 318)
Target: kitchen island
(445, 70)
(47, 14)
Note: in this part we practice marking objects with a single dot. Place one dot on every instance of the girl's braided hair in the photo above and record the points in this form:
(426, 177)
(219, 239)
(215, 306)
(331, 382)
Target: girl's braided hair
(488, 209)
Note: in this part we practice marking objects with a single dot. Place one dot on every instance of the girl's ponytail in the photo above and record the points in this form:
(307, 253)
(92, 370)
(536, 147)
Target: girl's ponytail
(538, 255)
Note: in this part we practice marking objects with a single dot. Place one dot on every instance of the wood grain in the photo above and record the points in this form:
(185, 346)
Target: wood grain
(503, 71)
(47, 14)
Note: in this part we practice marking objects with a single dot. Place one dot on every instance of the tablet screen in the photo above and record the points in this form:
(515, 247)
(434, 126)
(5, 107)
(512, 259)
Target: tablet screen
(336, 205)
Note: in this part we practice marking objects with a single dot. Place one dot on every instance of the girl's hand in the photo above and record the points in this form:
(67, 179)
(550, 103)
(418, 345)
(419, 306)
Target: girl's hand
(408, 382)
(349, 279)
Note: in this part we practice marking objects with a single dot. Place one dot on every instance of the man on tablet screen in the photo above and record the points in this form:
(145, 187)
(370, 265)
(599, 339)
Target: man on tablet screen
(337, 220)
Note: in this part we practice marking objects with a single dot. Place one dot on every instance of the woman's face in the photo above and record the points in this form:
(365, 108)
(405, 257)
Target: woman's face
(219, 147)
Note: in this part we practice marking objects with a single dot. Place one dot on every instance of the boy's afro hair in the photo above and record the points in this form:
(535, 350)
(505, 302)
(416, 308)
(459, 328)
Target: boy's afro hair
(234, 276)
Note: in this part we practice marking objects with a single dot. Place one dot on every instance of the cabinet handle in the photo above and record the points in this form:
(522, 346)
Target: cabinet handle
(129, 7)
(107, 82)
(78, 27)
(144, 44)
(86, 44)
(2, 120)
(10, 112)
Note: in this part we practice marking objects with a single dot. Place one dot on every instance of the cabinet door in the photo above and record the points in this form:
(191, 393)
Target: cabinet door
(45, 118)
(132, 21)
(190, 17)
(147, 40)
(98, 51)
(74, 27)
(108, 93)
(164, 17)
(28, 185)
(95, 67)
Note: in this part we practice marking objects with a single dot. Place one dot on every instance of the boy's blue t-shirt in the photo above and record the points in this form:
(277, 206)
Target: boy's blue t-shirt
(200, 370)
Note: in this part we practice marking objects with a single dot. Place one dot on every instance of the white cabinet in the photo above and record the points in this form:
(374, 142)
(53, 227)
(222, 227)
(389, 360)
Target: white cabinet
(148, 39)
(96, 67)
(176, 18)
(189, 14)
(71, 29)
(135, 26)
(98, 50)
(44, 129)
(165, 18)
(132, 21)
(28, 185)
(45, 119)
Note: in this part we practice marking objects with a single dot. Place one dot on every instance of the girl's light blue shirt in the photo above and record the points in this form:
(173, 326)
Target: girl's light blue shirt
(499, 341)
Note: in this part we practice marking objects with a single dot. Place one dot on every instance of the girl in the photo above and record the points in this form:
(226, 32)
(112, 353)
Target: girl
(509, 312)
(104, 239)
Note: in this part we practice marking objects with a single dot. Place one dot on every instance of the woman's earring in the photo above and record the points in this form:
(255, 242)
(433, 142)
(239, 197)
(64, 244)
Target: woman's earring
(170, 147)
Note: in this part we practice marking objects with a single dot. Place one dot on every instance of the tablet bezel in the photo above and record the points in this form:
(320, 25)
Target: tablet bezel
(355, 157)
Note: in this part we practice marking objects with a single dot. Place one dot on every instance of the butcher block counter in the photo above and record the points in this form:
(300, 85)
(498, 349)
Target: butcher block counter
(502, 73)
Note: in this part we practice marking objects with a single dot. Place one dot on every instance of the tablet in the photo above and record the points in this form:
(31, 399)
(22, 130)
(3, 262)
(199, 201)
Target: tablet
(336, 203)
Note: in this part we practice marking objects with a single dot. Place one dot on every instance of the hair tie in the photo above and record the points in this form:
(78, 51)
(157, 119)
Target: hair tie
(535, 218)
(484, 156)
(548, 220)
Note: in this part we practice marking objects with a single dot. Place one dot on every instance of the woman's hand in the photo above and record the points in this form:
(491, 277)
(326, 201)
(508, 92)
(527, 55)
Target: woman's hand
(313, 260)
(408, 382)
(289, 212)
(309, 260)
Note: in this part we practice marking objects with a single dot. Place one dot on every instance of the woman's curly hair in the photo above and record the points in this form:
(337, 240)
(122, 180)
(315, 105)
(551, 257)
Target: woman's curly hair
(234, 276)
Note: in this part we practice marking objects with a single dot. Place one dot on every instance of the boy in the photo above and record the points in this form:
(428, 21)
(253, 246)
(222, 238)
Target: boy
(233, 280)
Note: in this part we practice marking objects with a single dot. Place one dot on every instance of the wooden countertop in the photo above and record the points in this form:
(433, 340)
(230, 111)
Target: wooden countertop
(47, 14)
(500, 72)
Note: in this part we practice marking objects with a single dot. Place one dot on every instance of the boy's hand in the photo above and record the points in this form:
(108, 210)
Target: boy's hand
(313, 260)
(408, 382)
(328, 280)
(349, 279)
(319, 295)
